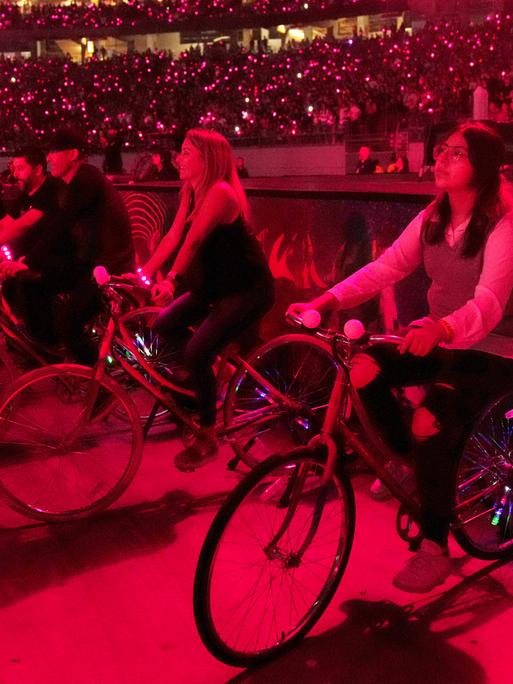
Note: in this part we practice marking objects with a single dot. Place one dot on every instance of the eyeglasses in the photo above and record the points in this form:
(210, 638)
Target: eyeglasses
(453, 152)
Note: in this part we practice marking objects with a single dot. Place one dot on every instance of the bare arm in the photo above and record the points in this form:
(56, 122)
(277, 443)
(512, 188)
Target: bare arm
(169, 242)
(11, 229)
(322, 303)
(220, 206)
(397, 262)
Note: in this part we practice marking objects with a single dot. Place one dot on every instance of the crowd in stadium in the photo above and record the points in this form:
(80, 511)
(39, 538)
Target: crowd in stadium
(137, 304)
(129, 15)
(321, 86)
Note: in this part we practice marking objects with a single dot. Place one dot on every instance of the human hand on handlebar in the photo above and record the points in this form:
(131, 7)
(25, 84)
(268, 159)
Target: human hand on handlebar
(322, 303)
(297, 308)
(420, 341)
(162, 293)
(10, 268)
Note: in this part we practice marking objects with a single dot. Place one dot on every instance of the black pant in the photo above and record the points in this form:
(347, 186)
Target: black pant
(218, 323)
(75, 310)
(54, 315)
(460, 383)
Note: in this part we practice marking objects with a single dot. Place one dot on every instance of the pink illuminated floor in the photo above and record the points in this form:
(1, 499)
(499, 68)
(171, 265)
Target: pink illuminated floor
(108, 600)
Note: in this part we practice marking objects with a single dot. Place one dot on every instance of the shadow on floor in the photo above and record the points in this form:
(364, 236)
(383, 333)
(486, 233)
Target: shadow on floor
(380, 642)
(37, 556)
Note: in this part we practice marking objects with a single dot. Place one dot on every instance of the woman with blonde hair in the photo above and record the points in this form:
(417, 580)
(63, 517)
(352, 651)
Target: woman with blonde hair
(227, 282)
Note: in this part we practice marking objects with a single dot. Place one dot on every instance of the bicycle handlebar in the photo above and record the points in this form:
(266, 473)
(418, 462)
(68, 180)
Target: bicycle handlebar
(354, 330)
(103, 279)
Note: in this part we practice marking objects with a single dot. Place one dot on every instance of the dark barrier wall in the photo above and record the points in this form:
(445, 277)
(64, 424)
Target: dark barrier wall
(311, 238)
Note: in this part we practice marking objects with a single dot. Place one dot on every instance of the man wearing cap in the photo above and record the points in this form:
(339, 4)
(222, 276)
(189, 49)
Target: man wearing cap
(90, 207)
(91, 227)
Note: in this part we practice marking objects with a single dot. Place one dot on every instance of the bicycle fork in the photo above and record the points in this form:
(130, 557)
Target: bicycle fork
(297, 481)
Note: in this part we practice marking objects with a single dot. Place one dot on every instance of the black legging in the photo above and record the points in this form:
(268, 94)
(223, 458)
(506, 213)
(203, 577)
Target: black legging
(218, 323)
(53, 314)
(461, 384)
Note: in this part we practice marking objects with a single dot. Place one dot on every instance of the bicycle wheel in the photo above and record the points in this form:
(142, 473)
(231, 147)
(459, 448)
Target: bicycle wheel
(299, 366)
(483, 519)
(255, 594)
(55, 464)
(8, 369)
(159, 353)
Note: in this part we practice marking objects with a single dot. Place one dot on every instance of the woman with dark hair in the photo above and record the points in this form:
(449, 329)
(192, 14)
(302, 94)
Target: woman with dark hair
(464, 240)
(220, 265)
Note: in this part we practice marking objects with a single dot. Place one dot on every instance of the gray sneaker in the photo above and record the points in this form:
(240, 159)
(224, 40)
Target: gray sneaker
(429, 567)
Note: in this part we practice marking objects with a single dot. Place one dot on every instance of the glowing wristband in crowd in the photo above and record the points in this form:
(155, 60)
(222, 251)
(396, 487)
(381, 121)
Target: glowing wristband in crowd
(143, 277)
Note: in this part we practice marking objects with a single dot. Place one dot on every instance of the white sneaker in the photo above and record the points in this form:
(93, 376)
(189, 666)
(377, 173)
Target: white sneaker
(404, 475)
(429, 567)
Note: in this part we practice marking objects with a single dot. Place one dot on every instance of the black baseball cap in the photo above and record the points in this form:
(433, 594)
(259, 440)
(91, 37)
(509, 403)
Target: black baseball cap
(68, 138)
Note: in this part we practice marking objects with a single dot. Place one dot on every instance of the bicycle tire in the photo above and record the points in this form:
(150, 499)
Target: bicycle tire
(217, 593)
(8, 369)
(43, 476)
(483, 517)
(158, 353)
(301, 367)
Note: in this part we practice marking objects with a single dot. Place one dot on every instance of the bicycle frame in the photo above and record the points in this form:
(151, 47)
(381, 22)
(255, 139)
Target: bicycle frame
(32, 350)
(279, 546)
(116, 335)
(376, 454)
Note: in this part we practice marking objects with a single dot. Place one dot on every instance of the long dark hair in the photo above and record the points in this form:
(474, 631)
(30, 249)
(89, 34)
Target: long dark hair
(486, 154)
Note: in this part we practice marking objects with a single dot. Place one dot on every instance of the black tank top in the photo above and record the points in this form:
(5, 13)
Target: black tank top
(229, 261)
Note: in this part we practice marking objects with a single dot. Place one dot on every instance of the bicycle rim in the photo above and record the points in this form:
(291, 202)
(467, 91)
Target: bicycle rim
(157, 352)
(254, 595)
(53, 464)
(298, 366)
(483, 523)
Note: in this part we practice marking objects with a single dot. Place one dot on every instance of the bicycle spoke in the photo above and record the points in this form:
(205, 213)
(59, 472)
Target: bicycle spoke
(56, 463)
(483, 485)
(304, 372)
(281, 583)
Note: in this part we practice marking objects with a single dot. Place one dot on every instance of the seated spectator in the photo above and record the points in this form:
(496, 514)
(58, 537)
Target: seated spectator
(241, 167)
(112, 143)
(366, 165)
(161, 167)
(398, 164)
